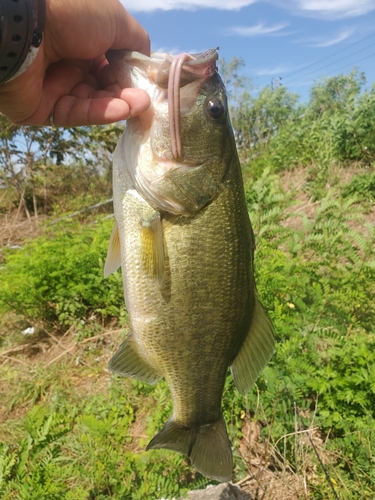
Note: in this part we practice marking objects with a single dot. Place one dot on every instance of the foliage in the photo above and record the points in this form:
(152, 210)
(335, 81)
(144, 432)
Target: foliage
(57, 280)
(317, 282)
(319, 285)
(362, 186)
(336, 126)
(257, 119)
(38, 163)
(82, 450)
(337, 93)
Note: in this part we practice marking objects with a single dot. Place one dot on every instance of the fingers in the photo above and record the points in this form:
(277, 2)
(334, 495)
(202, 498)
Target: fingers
(103, 73)
(54, 81)
(76, 99)
(102, 108)
(60, 79)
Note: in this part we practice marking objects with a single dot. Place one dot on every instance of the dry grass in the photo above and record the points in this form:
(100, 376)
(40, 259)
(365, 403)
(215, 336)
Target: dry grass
(49, 360)
(270, 475)
(14, 230)
(295, 182)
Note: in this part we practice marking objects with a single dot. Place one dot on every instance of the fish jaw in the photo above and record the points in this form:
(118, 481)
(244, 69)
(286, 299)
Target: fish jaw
(140, 169)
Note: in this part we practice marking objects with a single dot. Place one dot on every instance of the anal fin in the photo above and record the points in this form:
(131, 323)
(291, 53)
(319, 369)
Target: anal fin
(128, 362)
(255, 352)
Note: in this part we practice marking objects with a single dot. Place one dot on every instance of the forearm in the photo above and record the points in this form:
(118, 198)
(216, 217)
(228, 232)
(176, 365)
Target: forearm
(21, 31)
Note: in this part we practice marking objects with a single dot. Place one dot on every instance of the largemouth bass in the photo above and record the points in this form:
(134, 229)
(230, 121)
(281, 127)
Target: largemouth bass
(185, 244)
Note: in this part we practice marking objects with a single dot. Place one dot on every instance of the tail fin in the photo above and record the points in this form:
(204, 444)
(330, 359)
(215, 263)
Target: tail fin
(207, 446)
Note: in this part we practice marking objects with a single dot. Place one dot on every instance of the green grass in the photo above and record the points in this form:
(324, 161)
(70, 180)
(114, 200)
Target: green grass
(74, 432)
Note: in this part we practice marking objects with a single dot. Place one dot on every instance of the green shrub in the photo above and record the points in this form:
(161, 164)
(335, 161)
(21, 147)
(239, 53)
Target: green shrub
(318, 285)
(362, 186)
(57, 279)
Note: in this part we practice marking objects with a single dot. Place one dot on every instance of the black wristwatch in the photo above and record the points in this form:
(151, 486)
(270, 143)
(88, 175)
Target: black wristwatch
(21, 32)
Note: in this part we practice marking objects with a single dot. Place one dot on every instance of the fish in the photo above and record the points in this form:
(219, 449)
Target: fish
(185, 244)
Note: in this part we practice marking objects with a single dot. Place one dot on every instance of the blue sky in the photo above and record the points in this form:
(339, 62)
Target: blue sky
(297, 40)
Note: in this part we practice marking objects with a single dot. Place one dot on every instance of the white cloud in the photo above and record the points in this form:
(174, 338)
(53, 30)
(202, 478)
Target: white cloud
(328, 9)
(167, 50)
(332, 41)
(338, 7)
(257, 30)
(150, 5)
(326, 42)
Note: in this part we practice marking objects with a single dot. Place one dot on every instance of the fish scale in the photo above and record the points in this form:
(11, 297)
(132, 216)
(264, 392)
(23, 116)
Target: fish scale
(185, 244)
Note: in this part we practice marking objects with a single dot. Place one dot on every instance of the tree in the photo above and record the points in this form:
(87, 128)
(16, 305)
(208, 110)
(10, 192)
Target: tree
(34, 161)
(259, 117)
(336, 93)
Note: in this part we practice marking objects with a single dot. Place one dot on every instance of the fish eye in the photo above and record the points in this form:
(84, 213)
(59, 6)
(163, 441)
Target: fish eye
(215, 109)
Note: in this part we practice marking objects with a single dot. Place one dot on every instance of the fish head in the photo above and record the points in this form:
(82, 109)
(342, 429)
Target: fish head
(182, 147)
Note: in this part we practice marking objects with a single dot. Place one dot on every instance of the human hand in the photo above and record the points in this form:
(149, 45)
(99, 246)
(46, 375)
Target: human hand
(70, 76)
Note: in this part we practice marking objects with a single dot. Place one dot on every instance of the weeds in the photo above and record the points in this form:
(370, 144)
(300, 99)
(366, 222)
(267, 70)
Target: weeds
(72, 432)
(57, 280)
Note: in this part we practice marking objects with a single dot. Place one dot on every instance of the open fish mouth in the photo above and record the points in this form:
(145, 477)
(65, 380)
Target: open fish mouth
(169, 73)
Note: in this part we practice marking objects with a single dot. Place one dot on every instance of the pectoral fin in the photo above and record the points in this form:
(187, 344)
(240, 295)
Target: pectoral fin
(255, 352)
(128, 362)
(153, 247)
(113, 260)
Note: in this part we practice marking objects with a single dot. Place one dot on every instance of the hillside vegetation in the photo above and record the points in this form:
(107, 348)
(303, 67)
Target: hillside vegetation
(70, 430)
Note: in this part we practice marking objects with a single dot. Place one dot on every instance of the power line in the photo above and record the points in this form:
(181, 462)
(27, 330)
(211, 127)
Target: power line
(333, 63)
(328, 57)
(346, 65)
(360, 60)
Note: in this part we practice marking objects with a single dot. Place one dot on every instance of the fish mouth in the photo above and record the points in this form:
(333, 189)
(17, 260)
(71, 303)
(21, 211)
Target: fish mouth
(168, 73)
